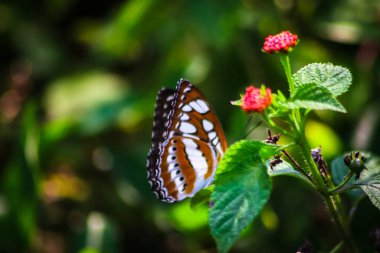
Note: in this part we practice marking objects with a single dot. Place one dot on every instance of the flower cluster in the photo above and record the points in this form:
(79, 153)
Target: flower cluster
(258, 99)
(255, 99)
(283, 42)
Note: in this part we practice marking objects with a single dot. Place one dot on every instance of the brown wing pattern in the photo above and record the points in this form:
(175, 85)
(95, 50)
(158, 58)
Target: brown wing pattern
(187, 143)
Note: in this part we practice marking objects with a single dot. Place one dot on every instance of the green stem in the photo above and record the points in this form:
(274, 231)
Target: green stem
(297, 167)
(324, 185)
(317, 178)
(343, 183)
(338, 248)
(333, 202)
(334, 207)
(288, 71)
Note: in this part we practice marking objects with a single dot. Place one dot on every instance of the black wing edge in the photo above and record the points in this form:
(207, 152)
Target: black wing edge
(164, 105)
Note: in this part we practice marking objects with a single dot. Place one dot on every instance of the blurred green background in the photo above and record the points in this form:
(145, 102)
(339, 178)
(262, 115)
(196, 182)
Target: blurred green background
(78, 86)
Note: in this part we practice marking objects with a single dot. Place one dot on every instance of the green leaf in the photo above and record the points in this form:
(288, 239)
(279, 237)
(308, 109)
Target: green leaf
(335, 78)
(369, 180)
(339, 170)
(313, 96)
(242, 187)
(286, 169)
(372, 189)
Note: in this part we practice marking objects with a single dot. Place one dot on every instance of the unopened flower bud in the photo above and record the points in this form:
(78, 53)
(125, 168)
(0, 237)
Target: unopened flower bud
(355, 162)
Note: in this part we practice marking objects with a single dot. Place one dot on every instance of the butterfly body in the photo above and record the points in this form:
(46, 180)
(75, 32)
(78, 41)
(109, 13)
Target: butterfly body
(187, 143)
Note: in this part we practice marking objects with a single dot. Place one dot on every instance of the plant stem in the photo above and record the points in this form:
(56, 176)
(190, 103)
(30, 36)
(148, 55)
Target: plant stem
(343, 183)
(306, 150)
(333, 202)
(288, 71)
(335, 209)
(324, 185)
(296, 165)
(338, 248)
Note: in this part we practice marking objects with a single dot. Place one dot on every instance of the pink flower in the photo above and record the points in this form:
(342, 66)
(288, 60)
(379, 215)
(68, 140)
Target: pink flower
(255, 99)
(283, 42)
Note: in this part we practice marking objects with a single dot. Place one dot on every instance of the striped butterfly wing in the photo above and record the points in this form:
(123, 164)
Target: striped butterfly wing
(187, 143)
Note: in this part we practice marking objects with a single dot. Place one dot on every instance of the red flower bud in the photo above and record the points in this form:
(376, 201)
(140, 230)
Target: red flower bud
(283, 42)
(255, 99)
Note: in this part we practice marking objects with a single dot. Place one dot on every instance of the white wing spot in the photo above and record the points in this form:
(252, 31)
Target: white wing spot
(198, 107)
(187, 89)
(193, 152)
(219, 148)
(171, 159)
(207, 125)
(179, 181)
(189, 143)
(187, 108)
(174, 174)
(184, 117)
(200, 165)
(195, 156)
(215, 141)
(187, 128)
(172, 150)
(191, 136)
(171, 167)
(169, 98)
(203, 104)
(212, 135)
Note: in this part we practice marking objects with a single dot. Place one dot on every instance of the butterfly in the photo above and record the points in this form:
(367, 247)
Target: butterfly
(187, 143)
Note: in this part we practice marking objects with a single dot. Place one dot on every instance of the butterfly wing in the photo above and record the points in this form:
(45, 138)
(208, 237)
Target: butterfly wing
(187, 143)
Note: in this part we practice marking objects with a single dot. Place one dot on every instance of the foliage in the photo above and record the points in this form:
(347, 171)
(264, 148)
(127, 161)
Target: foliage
(368, 181)
(240, 193)
(242, 188)
(312, 96)
(334, 78)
